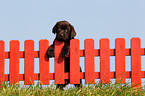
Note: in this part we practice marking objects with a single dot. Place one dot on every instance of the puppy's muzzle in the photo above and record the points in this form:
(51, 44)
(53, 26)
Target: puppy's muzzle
(61, 35)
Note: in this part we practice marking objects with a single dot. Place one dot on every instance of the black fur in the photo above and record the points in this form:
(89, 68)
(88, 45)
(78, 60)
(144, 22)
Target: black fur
(64, 32)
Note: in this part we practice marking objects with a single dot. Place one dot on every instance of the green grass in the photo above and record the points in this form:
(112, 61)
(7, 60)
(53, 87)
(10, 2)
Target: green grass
(91, 90)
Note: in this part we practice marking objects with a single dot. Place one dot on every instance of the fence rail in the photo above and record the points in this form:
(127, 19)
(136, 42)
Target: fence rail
(75, 53)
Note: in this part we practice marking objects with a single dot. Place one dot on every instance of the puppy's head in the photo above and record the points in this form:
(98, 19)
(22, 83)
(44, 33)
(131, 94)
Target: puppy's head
(64, 31)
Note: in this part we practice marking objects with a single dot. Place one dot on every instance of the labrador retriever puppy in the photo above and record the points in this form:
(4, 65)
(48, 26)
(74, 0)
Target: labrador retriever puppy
(64, 32)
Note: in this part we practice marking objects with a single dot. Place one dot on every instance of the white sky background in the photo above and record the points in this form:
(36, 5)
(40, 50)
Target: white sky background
(96, 19)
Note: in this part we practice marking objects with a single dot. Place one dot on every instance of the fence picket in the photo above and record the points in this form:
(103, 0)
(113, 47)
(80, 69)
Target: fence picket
(136, 62)
(59, 62)
(74, 62)
(44, 62)
(2, 61)
(29, 62)
(104, 61)
(14, 61)
(89, 61)
(120, 60)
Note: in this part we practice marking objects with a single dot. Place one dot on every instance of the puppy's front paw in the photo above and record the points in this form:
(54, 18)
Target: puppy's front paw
(65, 53)
(50, 53)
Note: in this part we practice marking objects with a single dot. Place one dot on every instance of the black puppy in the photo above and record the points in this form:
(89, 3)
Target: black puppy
(64, 32)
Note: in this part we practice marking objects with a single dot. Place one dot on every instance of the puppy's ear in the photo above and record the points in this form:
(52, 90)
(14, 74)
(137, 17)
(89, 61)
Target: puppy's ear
(54, 30)
(73, 32)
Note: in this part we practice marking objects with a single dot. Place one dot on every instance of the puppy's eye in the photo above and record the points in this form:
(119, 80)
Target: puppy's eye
(59, 29)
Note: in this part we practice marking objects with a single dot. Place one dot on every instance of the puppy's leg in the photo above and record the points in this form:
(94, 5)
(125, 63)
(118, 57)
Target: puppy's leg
(67, 69)
(50, 51)
(60, 86)
(65, 50)
(79, 85)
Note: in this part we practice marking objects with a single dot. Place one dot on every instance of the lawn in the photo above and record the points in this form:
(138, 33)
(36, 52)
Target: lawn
(97, 89)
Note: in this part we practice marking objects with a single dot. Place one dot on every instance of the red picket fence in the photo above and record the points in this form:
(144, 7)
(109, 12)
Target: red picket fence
(75, 53)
